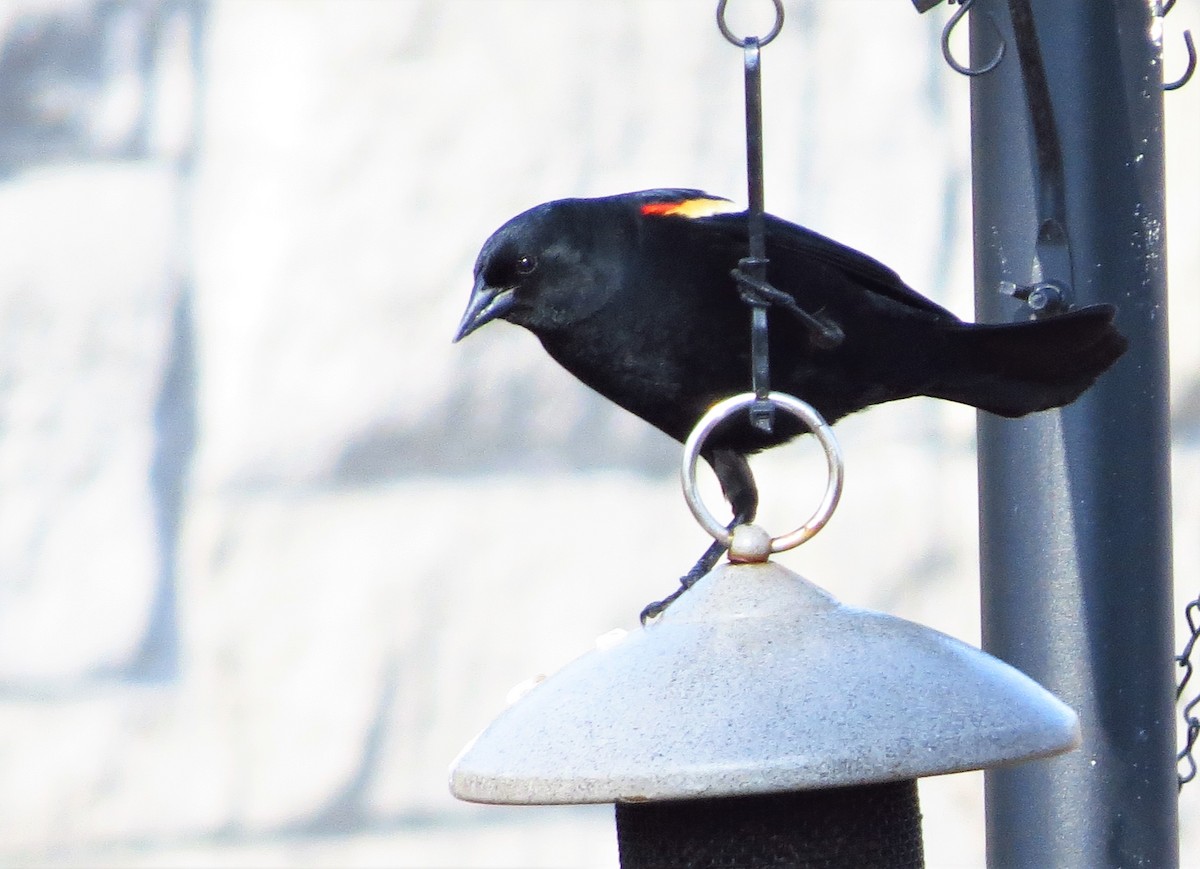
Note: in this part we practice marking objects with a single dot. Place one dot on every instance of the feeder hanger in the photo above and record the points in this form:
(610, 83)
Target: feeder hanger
(751, 271)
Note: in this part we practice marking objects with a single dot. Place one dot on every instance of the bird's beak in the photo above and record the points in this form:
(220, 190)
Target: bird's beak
(486, 304)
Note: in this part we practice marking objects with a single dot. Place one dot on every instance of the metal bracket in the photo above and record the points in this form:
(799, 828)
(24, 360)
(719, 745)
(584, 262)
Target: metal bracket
(1051, 279)
(1050, 283)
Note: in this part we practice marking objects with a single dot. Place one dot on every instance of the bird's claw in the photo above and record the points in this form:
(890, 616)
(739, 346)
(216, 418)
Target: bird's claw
(698, 572)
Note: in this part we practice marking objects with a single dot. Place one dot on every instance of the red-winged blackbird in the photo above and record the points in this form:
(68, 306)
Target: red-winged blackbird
(633, 294)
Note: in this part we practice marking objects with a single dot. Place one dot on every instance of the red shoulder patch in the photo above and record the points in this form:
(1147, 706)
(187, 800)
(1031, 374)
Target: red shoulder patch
(690, 208)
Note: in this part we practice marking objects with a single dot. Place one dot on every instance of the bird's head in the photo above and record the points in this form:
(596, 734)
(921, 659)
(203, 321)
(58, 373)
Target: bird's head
(545, 269)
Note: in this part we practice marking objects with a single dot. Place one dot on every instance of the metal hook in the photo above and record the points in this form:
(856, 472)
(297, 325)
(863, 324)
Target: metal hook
(1191, 65)
(741, 43)
(963, 9)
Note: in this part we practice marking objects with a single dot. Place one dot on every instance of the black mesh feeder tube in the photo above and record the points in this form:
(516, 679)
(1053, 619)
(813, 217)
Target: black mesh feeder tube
(760, 722)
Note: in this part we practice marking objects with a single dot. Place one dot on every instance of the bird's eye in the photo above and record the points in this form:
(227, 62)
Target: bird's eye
(526, 265)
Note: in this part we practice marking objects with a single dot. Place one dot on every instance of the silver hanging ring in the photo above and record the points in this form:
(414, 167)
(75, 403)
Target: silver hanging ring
(739, 41)
(963, 9)
(803, 411)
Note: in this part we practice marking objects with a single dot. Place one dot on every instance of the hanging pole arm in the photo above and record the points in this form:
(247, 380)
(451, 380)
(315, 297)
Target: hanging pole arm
(762, 412)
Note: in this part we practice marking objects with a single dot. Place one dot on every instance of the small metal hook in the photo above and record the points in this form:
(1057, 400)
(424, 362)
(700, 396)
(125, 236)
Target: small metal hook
(963, 9)
(740, 42)
(1191, 64)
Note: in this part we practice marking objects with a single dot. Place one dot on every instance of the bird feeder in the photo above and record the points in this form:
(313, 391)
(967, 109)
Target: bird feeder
(759, 720)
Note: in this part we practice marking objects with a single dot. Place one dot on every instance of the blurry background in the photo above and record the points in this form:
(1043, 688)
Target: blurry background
(271, 548)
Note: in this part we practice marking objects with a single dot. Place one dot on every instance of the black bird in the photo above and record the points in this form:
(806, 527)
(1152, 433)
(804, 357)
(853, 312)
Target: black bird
(633, 294)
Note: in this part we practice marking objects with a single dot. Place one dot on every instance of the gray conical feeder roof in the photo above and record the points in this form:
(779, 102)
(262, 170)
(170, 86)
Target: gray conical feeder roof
(758, 681)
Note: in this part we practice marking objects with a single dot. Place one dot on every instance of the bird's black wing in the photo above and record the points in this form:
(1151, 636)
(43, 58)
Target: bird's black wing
(784, 237)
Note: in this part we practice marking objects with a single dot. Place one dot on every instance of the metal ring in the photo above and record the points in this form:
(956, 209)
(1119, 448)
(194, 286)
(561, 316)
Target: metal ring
(741, 43)
(805, 412)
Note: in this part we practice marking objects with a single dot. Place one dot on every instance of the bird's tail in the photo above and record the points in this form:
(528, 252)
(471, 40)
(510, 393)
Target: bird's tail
(1012, 369)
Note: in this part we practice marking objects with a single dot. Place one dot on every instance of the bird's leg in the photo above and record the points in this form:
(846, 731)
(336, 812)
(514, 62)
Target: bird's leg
(737, 484)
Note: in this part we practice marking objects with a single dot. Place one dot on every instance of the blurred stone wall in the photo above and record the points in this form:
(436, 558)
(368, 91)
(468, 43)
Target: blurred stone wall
(271, 549)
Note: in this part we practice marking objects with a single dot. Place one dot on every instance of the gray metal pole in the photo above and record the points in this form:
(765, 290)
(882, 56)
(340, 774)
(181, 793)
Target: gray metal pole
(1075, 544)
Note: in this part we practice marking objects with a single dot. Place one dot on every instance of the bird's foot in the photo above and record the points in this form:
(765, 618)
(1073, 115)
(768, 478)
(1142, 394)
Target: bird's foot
(737, 484)
(700, 569)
